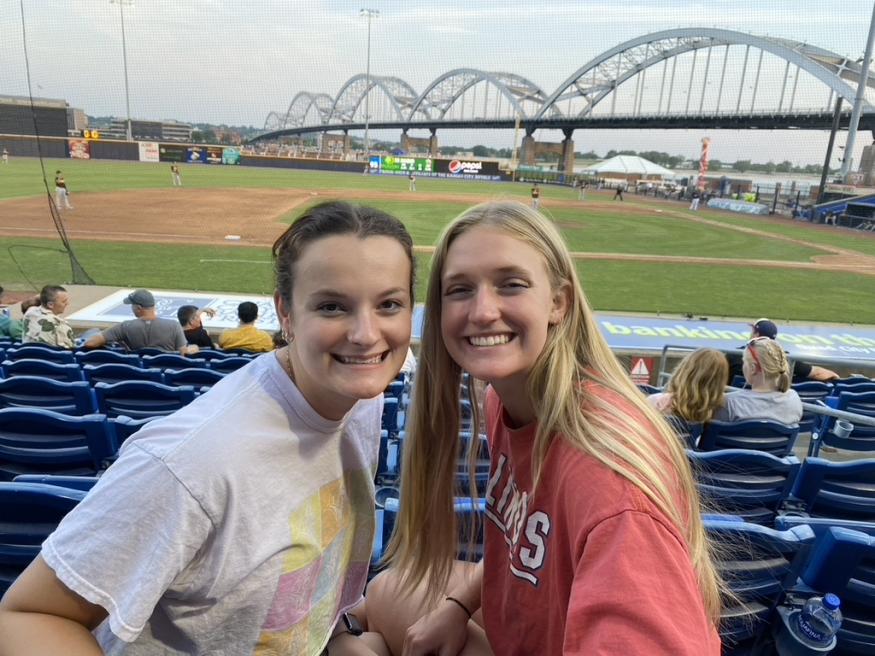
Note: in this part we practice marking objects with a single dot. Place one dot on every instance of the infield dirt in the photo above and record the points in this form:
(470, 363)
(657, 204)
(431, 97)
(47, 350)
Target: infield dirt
(207, 216)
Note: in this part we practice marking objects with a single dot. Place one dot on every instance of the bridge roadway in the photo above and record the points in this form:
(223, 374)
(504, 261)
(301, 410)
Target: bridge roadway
(724, 121)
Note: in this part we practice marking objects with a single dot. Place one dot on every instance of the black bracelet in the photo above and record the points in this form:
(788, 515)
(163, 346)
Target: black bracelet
(459, 604)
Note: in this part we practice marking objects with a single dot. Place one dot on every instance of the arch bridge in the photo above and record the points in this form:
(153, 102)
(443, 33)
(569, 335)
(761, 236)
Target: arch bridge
(680, 78)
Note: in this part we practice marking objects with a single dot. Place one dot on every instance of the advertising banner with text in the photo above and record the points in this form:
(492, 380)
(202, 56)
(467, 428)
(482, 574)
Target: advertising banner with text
(149, 151)
(171, 153)
(800, 341)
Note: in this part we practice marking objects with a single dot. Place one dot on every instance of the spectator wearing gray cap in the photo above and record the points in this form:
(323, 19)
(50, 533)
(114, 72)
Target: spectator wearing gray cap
(801, 370)
(146, 330)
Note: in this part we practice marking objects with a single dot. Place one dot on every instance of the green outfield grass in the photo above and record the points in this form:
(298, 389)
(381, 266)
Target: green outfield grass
(588, 231)
(738, 291)
(611, 286)
(860, 242)
(23, 177)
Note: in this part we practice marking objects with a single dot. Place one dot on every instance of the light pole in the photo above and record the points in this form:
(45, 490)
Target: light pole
(121, 6)
(858, 102)
(369, 13)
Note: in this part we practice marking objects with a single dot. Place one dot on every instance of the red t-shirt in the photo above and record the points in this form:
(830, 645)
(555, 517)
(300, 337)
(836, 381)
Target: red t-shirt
(590, 566)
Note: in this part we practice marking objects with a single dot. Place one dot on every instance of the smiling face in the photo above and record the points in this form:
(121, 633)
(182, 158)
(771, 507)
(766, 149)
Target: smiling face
(350, 318)
(497, 306)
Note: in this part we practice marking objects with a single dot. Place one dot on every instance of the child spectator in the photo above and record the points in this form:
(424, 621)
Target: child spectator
(767, 372)
(695, 391)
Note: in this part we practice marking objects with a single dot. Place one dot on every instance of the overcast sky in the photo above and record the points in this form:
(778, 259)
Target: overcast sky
(233, 61)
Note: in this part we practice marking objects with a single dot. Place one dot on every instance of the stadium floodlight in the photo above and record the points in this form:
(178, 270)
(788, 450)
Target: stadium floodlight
(121, 6)
(369, 14)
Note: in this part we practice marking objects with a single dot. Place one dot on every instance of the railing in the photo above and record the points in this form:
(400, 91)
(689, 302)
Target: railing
(855, 363)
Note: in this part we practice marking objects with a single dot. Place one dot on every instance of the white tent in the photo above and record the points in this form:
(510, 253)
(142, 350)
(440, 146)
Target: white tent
(630, 165)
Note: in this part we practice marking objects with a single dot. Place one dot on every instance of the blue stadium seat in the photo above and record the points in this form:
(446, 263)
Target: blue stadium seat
(195, 376)
(750, 484)
(29, 512)
(151, 350)
(862, 438)
(811, 391)
(36, 441)
(38, 392)
(103, 356)
(171, 361)
(769, 436)
(843, 562)
(228, 365)
(856, 388)
(111, 372)
(758, 564)
(83, 483)
(68, 373)
(841, 490)
(123, 427)
(141, 398)
(390, 420)
(209, 354)
(854, 380)
(649, 389)
(821, 525)
(689, 431)
(40, 352)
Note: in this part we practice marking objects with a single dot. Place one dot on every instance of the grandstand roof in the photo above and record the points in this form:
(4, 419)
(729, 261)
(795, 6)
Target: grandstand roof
(630, 164)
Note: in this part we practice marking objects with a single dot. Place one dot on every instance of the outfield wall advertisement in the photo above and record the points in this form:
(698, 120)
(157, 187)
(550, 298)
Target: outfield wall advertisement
(149, 151)
(651, 334)
(470, 169)
(172, 153)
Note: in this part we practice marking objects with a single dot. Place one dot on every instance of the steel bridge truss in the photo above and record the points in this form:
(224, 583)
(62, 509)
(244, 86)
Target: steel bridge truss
(658, 55)
(680, 72)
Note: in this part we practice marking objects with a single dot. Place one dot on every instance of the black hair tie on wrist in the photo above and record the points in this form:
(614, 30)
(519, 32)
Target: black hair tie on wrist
(460, 605)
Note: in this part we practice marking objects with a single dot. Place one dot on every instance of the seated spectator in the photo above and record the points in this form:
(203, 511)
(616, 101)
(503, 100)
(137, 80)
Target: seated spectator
(767, 372)
(802, 371)
(43, 323)
(246, 336)
(147, 329)
(192, 325)
(9, 327)
(28, 303)
(695, 391)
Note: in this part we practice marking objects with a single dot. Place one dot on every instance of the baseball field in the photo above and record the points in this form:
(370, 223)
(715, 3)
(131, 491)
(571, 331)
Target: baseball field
(130, 227)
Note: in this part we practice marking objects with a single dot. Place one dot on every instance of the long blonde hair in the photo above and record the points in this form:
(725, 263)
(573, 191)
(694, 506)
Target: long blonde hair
(424, 542)
(697, 385)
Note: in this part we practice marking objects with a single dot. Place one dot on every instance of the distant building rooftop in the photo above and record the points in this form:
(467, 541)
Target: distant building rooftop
(25, 100)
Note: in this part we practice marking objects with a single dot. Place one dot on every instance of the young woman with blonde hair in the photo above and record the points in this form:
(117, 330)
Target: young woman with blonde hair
(695, 391)
(594, 542)
(767, 371)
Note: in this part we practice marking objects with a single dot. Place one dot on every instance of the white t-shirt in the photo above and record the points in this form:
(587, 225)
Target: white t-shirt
(241, 524)
(783, 407)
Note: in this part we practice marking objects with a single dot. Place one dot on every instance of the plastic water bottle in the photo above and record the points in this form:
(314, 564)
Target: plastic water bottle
(819, 620)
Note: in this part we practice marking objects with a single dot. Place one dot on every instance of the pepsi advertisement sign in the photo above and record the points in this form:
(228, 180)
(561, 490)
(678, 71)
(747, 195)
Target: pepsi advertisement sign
(467, 168)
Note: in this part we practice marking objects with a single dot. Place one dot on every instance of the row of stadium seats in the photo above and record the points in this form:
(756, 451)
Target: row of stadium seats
(141, 358)
(117, 373)
(136, 399)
